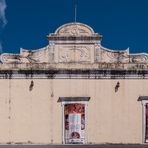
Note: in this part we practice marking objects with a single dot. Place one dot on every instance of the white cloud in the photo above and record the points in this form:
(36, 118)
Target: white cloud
(3, 20)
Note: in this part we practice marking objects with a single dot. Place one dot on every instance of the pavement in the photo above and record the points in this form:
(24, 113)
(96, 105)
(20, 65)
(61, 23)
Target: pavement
(78, 146)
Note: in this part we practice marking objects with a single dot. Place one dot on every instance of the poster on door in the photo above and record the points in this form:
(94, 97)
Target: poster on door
(74, 123)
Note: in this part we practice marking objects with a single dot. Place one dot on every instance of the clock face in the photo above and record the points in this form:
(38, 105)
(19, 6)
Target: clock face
(74, 54)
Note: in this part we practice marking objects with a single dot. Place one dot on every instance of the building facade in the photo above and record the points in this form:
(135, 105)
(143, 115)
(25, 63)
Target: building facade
(73, 91)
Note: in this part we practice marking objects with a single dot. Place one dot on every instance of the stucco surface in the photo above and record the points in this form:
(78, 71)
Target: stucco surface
(35, 116)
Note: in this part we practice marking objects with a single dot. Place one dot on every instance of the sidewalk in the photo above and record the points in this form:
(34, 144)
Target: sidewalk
(78, 146)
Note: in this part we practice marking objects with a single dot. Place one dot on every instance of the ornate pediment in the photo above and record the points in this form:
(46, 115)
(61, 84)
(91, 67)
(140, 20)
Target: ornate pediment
(74, 32)
(74, 29)
(74, 43)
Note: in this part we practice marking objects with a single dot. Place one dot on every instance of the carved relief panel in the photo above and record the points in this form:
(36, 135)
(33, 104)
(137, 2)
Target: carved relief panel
(74, 53)
(75, 29)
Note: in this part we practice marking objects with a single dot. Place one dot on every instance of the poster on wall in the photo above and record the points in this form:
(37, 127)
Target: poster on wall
(74, 123)
(146, 131)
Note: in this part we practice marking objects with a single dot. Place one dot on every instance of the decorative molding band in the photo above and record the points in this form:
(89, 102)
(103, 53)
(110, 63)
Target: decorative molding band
(73, 74)
(73, 38)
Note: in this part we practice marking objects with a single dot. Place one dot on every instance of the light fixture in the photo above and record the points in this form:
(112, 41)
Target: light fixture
(117, 86)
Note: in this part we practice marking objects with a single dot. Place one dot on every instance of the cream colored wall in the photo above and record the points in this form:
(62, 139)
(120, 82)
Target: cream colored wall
(36, 116)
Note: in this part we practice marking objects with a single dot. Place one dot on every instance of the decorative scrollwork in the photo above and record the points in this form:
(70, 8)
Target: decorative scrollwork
(74, 54)
(10, 58)
(143, 58)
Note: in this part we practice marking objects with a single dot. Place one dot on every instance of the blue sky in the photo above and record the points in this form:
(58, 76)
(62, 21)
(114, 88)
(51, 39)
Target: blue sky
(123, 23)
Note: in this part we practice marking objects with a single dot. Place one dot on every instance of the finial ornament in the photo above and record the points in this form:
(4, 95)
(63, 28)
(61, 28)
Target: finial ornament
(75, 10)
